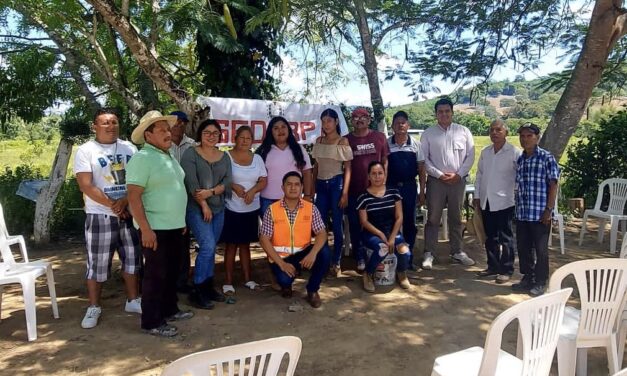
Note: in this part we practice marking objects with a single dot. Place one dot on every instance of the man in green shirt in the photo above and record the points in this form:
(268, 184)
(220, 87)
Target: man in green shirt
(157, 200)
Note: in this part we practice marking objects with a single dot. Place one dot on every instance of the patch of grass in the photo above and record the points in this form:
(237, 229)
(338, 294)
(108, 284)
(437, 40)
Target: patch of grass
(38, 154)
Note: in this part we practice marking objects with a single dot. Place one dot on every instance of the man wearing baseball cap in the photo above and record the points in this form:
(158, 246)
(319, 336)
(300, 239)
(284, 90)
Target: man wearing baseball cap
(368, 145)
(157, 199)
(180, 143)
(536, 178)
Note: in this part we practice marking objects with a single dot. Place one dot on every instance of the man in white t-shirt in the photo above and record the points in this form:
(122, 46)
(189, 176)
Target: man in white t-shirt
(100, 168)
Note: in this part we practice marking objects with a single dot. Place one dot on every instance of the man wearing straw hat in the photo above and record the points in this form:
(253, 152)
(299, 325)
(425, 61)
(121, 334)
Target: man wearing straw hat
(494, 192)
(157, 199)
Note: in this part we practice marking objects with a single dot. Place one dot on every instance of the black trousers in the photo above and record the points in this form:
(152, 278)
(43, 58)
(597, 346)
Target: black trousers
(185, 261)
(499, 243)
(161, 269)
(533, 250)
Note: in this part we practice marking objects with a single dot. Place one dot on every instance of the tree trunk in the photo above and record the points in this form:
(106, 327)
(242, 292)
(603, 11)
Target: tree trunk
(606, 28)
(370, 65)
(48, 195)
(145, 59)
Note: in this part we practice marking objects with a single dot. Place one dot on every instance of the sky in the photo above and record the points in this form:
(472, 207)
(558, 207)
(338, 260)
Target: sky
(394, 92)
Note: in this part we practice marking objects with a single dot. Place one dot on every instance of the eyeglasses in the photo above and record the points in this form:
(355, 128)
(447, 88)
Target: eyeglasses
(361, 117)
(211, 134)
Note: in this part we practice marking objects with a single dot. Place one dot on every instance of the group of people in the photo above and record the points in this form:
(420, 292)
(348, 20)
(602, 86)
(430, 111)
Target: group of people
(144, 204)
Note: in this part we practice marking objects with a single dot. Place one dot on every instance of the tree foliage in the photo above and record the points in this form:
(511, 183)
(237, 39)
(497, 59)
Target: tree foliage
(600, 157)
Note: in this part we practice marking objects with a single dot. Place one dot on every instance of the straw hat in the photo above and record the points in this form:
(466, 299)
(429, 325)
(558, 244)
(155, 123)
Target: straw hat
(146, 121)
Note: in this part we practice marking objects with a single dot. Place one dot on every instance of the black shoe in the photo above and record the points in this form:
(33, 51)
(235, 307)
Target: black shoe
(184, 289)
(199, 299)
(525, 284)
(211, 293)
(537, 290)
(487, 273)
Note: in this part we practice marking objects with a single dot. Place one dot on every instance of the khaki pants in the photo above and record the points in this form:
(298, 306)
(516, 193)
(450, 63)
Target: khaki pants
(440, 196)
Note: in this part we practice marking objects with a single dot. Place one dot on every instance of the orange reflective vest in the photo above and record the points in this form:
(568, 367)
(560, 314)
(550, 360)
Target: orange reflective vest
(288, 238)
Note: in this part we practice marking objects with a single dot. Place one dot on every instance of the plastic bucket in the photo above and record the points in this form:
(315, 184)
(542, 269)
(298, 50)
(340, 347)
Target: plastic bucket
(385, 275)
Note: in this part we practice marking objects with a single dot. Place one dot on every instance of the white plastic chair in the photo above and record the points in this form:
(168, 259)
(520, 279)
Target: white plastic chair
(559, 218)
(443, 221)
(614, 212)
(622, 324)
(622, 372)
(602, 284)
(243, 359)
(25, 273)
(11, 239)
(538, 330)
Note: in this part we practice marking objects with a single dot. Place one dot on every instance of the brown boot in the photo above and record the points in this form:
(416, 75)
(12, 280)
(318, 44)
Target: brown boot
(314, 299)
(403, 281)
(368, 282)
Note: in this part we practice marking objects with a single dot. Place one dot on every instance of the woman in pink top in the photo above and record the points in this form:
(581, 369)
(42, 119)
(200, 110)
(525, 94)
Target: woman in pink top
(282, 154)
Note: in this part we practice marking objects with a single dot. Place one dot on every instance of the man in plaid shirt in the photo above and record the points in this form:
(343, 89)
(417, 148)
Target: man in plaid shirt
(285, 236)
(536, 179)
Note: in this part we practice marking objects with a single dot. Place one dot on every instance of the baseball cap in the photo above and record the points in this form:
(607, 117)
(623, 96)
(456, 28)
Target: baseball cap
(360, 111)
(530, 126)
(180, 115)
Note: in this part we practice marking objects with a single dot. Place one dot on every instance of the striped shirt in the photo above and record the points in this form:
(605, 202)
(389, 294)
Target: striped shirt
(267, 223)
(381, 211)
(532, 179)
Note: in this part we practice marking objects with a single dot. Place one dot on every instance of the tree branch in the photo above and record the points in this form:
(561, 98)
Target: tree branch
(22, 37)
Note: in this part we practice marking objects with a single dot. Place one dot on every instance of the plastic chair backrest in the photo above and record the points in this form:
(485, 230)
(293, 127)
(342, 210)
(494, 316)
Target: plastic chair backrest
(623, 248)
(252, 358)
(601, 284)
(5, 251)
(539, 321)
(3, 225)
(618, 196)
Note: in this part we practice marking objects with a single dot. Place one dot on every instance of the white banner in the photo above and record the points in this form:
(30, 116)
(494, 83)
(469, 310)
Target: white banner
(232, 113)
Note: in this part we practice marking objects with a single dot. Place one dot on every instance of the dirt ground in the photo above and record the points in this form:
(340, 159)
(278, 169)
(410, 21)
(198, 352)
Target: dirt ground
(392, 332)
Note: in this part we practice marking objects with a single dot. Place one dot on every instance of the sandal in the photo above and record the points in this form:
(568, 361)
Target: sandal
(228, 290)
(252, 285)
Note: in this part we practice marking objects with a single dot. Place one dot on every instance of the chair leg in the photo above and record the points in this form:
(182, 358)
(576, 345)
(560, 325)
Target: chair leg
(445, 224)
(583, 228)
(52, 291)
(613, 234)
(566, 357)
(582, 362)
(551, 235)
(612, 356)
(560, 224)
(1, 290)
(28, 290)
(601, 233)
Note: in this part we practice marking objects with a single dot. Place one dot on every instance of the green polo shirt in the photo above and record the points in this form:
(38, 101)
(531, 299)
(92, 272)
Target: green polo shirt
(162, 178)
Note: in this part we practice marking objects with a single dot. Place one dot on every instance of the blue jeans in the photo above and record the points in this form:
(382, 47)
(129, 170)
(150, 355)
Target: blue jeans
(265, 204)
(328, 195)
(374, 242)
(355, 228)
(207, 235)
(318, 270)
(409, 193)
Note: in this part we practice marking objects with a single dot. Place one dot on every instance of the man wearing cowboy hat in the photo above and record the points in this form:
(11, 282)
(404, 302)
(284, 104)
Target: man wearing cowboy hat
(100, 166)
(157, 199)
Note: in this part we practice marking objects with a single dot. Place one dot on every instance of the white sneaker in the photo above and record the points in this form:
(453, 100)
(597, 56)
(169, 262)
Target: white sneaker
(463, 258)
(91, 317)
(361, 265)
(134, 306)
(427, 261)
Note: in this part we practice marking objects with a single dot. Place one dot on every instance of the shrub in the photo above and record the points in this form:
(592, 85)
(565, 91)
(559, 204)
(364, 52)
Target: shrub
(602, 156)
(19, 213)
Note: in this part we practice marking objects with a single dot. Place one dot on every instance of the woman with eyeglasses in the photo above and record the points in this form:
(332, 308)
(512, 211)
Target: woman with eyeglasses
(208, 183)
(281, 153)
(332, 173)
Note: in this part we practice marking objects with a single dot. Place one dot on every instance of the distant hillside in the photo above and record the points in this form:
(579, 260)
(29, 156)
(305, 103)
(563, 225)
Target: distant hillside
(516, 102)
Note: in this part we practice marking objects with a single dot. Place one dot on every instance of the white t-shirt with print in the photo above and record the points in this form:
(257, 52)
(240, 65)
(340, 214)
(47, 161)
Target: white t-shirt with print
(107, 164)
